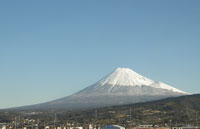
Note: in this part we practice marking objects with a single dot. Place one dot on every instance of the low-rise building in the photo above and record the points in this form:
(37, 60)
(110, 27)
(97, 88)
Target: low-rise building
(90, 126)
(150, 127)
(76, 128)
(46, 127)
(112, 127)
(144, 127)
(2, 126)
(187, 127)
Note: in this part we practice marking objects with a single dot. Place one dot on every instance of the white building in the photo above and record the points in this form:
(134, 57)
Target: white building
(90, 126)
(112, 127)
(145, 126)
(2, 126)
(76, 128)
(47, 127)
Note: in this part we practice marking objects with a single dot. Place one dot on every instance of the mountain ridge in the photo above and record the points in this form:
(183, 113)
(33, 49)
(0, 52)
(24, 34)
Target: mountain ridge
(123, 86)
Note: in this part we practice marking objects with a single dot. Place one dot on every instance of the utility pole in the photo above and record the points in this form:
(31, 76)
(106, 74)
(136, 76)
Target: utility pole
(95, 118)
(15, 122)
(54, 121)
(95, 114)
(130, 114)
(137, 119)
(197, 120)
(19, 120)
(170, 122)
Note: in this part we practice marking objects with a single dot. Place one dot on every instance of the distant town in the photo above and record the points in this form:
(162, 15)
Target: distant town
(171, 113)
(48, 120)
(36, 124)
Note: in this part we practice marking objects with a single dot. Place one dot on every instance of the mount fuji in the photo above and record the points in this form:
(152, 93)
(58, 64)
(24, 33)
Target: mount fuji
(123, 86)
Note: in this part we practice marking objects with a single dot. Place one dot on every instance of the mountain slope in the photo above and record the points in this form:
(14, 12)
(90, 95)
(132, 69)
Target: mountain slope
(173, 111)
(123, 86)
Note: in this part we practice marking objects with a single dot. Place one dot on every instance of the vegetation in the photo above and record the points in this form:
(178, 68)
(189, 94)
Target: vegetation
(176, 111)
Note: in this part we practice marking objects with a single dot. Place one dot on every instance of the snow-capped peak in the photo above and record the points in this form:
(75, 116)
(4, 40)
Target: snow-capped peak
(127, 77)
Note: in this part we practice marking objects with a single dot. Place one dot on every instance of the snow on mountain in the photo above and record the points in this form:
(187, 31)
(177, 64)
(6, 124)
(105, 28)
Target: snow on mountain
(127, 77)
(123, 86)
(165, 86)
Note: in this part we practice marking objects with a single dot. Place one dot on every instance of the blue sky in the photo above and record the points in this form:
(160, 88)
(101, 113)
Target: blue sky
(51, 49)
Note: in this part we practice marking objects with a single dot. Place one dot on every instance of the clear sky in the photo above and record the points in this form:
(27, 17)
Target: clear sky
(54, 48)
